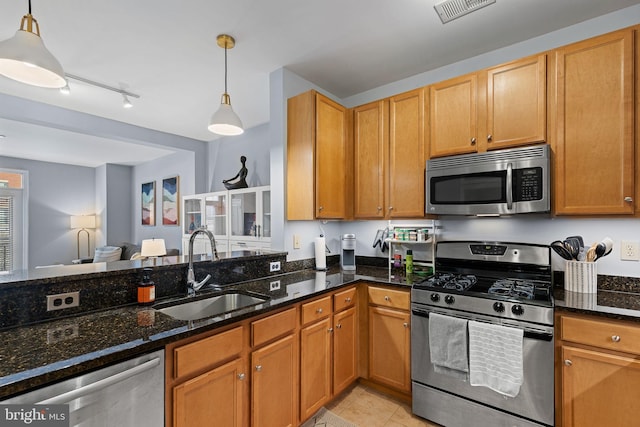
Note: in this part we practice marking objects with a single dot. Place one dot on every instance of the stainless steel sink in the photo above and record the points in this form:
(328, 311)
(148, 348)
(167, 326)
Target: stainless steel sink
(218, 304)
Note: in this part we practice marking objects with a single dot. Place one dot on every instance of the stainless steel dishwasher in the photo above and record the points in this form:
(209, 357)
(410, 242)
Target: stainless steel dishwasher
(128, 394)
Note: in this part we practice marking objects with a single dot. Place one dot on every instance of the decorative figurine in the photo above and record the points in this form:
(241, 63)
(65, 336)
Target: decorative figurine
(240, 177)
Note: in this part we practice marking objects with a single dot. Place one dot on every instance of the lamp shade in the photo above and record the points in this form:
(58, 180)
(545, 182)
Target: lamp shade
(25, 58)
(153, 247)
(83, 221)
(225, 121)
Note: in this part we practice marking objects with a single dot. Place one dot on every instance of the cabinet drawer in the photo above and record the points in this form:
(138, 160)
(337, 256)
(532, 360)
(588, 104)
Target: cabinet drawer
(207, 352)
(604, 334)
(315, 310)
(386, 297)
(344, 299)
(271, 327)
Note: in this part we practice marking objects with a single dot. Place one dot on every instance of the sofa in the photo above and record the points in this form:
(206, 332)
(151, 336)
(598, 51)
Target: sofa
(124, 251)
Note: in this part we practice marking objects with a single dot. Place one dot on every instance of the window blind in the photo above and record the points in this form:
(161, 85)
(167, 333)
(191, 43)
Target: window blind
(6, 233)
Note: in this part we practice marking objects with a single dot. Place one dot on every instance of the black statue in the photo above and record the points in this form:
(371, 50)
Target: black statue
(240, 177)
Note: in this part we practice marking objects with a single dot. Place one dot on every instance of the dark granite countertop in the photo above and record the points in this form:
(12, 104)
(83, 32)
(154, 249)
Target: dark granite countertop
(617, 297)
(35, 355)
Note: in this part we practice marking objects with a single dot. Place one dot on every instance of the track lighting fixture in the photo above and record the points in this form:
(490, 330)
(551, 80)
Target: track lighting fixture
(25, 58)
(126, 102)
(225, 121)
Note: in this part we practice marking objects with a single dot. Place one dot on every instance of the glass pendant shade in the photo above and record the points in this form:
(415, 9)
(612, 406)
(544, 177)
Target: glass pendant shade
(25, 58)
(225, 121)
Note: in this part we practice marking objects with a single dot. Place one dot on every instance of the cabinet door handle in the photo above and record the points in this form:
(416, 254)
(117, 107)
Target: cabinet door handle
(319, 311)
(347, 299)
(568, 362)
(405, 324)
(338, 326)
(489, 137)
(241, 377)
(386, 298)
(615, 338)
(473, 141)
(379, 208)
(390, 208)
(628, 199)
(330, 330)
(258, 368)
(320, 208)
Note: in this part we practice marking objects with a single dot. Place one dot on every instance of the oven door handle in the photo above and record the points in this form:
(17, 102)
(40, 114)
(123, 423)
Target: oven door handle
(528, 332)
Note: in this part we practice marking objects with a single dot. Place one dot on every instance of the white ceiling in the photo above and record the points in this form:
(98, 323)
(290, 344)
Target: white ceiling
(166, 52)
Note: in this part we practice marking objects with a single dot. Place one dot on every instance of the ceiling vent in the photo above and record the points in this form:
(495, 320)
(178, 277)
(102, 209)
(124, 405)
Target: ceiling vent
(451, 9)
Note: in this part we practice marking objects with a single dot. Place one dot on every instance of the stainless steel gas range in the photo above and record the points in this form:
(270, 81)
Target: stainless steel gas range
(503, 290)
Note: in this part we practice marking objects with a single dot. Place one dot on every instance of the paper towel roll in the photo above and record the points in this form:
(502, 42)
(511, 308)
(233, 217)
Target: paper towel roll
(321, 256)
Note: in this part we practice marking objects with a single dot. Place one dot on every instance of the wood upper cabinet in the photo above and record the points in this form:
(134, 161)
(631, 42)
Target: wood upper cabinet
(389, 157)
(600, 370)
(504, 106)
(370, 156)
(215, 397)
(274, 397)
(317, 157)
(453, 116)
(594, 147)
(407, 157)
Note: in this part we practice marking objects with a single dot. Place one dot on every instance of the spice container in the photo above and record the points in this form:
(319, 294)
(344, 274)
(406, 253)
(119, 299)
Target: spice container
(146, 289)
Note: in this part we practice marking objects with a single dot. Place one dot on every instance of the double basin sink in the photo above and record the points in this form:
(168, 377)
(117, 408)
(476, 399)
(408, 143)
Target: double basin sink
(218, 304)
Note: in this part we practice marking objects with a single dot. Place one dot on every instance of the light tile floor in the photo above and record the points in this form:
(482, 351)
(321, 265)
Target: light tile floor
(367, 407)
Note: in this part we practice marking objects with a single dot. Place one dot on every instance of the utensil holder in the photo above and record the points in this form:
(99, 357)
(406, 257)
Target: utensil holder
(580, 276)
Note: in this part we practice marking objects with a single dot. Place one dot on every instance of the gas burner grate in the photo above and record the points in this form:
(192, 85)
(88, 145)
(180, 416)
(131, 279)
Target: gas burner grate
(513, 288)
(457, 282)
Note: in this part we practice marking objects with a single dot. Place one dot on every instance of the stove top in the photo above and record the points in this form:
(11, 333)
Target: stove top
(508, 280)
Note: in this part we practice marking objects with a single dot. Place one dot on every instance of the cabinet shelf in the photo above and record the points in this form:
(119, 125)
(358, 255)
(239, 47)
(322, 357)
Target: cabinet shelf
(424, 250)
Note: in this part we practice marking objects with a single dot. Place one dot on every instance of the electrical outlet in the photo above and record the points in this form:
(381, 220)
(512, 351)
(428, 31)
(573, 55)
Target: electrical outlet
(61, 301)
(296, 241)
(274, 266)
(629, 251)
(275, 285)
(62, 333)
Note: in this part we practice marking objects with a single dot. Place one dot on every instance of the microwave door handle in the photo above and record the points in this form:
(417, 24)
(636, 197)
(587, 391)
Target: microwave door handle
(509, 186)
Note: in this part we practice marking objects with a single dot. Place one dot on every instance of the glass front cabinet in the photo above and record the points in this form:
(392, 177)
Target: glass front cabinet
(239, 219)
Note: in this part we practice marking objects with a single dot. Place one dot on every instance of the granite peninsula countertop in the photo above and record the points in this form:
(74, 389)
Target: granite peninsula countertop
(35, 355)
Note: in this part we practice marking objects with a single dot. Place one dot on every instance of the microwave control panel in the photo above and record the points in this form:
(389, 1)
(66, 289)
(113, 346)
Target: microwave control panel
(527, 184)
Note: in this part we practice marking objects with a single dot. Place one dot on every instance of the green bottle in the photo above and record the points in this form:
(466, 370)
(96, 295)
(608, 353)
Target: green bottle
(408, 262)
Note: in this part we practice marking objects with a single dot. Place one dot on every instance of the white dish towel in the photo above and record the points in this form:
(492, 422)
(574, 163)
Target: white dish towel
(495, 357)
(448, 345)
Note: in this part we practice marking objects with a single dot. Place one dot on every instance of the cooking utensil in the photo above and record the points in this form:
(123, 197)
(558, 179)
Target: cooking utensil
(579, 239)
(603, 248)
(561, 250)
(572, 244)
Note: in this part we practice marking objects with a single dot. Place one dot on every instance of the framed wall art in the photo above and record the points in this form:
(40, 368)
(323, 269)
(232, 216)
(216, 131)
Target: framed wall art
(149, 203)
(171, 201)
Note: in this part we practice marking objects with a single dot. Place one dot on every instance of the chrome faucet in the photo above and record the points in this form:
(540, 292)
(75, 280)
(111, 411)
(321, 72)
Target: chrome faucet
(192, 284)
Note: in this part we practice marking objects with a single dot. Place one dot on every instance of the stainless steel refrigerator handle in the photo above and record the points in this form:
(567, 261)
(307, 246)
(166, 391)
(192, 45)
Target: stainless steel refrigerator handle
(509, 186)
(103, 383)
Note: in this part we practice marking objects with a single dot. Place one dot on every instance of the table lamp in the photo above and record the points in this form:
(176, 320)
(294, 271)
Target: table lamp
(83, 222)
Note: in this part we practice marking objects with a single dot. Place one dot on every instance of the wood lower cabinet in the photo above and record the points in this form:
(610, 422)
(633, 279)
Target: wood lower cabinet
(274, 379)
(345, 349)
(315, 366)
(215, 397)
(390, 338)
(598, 371)
(594, 146)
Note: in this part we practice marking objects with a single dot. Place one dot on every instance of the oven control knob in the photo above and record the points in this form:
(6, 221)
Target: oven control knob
(498, 307)
(435, 297)
(517, 310)
(449, 299)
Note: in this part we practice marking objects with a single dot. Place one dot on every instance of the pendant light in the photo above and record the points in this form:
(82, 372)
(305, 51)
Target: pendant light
(25, 58)
(225, 121)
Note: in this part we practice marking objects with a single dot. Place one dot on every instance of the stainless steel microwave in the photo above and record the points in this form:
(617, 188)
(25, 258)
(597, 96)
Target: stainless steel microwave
(501, 182)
